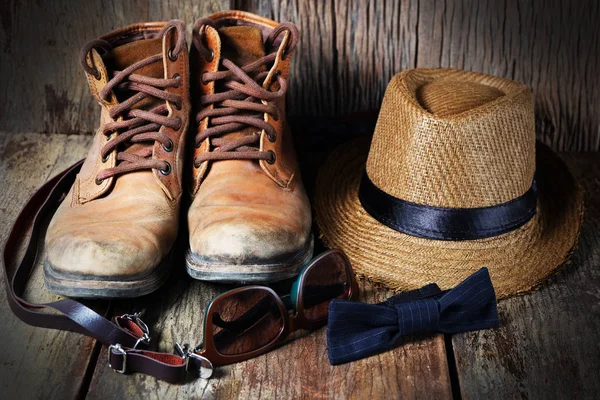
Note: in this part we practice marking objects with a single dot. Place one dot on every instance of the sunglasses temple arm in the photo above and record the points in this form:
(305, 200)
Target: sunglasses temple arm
(287, 302)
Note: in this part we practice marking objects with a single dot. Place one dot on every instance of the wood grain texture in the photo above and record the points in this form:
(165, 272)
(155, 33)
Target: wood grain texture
(300, 369)
(553, 46)
(546, 347)
(43, 87)
(36, 363)
(313, 85)
(548, 343)
(349, 51)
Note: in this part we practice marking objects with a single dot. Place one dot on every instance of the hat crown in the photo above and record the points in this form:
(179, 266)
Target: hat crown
(455, 139)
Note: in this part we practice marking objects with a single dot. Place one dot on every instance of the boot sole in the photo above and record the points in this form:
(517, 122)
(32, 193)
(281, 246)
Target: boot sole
(82, 286)
(248, 273)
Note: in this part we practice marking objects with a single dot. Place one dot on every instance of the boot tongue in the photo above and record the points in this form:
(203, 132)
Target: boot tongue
(127, 54)
(240, 45)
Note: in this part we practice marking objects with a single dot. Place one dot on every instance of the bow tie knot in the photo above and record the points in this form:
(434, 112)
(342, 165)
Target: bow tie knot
(419, 316)
(356, 330)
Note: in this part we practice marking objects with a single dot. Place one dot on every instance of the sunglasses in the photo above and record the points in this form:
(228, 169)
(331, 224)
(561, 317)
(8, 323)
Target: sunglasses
(249, 321)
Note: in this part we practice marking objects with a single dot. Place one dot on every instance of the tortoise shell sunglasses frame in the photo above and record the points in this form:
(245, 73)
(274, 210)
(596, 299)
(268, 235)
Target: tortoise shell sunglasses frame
(207, 353)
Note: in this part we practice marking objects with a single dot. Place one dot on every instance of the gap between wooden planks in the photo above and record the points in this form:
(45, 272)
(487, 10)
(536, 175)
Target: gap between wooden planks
(299, 369)
(547, 344)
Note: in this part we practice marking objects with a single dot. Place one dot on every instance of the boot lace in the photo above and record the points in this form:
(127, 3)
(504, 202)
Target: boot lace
(136, 126)
(240, 104)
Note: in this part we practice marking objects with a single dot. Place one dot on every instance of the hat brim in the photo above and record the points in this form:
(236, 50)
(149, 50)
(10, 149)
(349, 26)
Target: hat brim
(518, 261)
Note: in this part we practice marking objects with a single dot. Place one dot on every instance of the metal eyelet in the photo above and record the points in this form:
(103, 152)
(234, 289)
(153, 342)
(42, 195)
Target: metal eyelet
(173, 57)
(167, 169)
(177, 106)
(105, 158)
(275, 117)
(175, 77)
(212, 55)
(272, 138)
(169, 147)
(99, 181)
(272, 159)
(97, 74)
(180, 123)
(196, 163)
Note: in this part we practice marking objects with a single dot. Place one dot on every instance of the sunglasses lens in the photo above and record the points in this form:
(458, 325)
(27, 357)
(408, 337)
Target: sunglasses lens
(325, 281)
(245, 321)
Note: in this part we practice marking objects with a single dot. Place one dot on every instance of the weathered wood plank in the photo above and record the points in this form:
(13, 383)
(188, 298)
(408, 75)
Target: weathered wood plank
(373, 41)
(547, 346)
(298, 369)
(36, 363)
(312, 87)
(350, 50)
(553, 46)
(43, 86)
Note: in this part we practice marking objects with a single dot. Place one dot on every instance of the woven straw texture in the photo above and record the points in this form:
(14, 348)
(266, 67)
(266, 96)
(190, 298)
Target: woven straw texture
(452, 139)
(438, 160)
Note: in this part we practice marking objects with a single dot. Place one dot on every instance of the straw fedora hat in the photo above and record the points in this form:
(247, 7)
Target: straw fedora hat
(453, 181)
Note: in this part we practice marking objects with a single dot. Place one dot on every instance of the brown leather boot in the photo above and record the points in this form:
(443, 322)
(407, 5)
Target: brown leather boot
(112, 234)
(250, 218)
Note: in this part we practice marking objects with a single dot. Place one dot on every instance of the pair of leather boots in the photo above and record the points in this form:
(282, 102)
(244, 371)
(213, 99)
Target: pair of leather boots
(205, 127)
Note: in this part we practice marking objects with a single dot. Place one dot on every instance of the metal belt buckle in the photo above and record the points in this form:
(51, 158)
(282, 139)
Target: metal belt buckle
(122, 352)
(205, 367)
(135, 318)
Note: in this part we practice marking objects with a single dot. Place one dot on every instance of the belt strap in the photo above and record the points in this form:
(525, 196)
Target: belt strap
(124, 334)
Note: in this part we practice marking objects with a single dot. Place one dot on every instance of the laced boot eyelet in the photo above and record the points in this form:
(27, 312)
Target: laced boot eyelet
(99, 181)
(177, 106)
(272, 158)
(212, 55)
(179, 124)
(275, 117)
(196, 163)
(97, 74)
(169, 146)
(167, 170)
(272, 138)
(175, 77)
(105, 158)
(172, 57)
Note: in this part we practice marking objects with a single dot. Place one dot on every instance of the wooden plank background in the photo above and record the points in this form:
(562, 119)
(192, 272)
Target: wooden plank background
(349, 51)
(547, 344)
(416, 369)
(37, 363)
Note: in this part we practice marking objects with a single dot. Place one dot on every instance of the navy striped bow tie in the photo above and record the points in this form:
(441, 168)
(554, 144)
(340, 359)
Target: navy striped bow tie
(357, 330)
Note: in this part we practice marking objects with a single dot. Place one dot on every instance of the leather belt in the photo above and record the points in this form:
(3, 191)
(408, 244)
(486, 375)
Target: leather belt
(126, 335)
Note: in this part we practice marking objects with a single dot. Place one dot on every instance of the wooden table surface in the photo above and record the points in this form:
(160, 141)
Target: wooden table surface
(546, 347)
